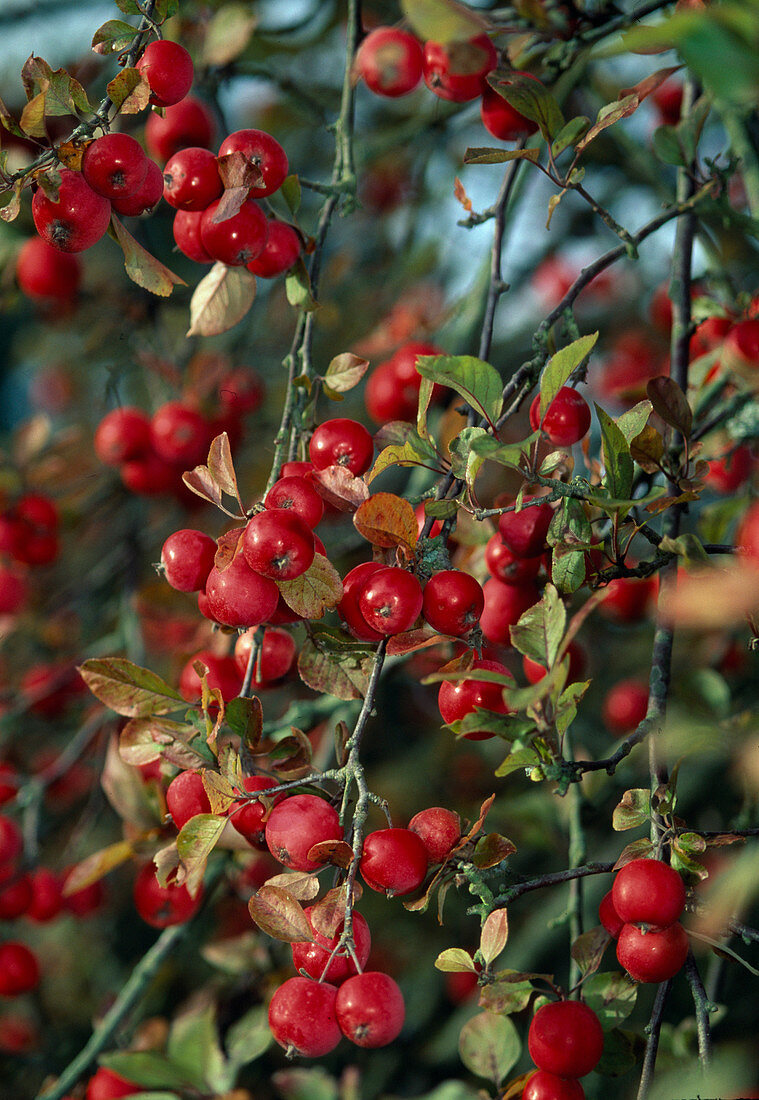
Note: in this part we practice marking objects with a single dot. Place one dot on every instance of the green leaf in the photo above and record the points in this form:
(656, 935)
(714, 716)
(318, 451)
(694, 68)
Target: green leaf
(632, 422)
(345, 371)
(305, 1084)
(490, 850)
(129, 7)
(317, 590)
(113, 37)
(220, 300)
(193, 1045)
(298, 287)
(623, 1050)
(588, 949)
(509, 727)
(415, 451)
(291, 193)
(531, 98)
(539, 631)
(569, 134)
(478, 382)
(505, 454)
(607, 116)
(141, 267)
(244, 716)
(667, 147)
(489, 1046)
(611, 996)
(455, 960)
(618, 462)
(148, 1068)
(442, 20)
(561, 366)
(506, 994)
(568, 570)
(518, 760)
(633, 810)
(466, 462)
(164, 9)
(128, 689)
(196, 840)
(486, 155)
(248, 1037)
(345, 676)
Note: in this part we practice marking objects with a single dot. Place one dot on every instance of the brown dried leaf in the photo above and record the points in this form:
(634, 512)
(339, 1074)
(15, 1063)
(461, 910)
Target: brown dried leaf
(461, 195)
(387, 520)
(340, 488)
(280, 915)
(336, 852)
(298, 884)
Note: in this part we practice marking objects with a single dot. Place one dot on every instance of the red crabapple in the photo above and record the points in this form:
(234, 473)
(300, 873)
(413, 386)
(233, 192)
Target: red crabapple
(342, 442)
(535, 672)
(19, 969)
(565, 1038)
(652, 956)
(609, 917)
(349, 609)
(278, 544)
(187, 558)
(391, 600)
(44, 272)
(504, 606)
(121, 435)
(162, 906)
(247, 815)
(107, 1085)
(524, 532)
(504, 565)
(296, 824)
(625, 706)
(145, 197)
(149, 475)
(389, 61)
(393, 861)
(456, 71)
(238, 596)
(168, 69)
(438, 829)
(547, 1086)
(191, 179)
(275, 656)
(16, 893)
(453, 602)
(236, 240)
(186, 798)
(47, 899)
(76, 220)
(282, 248)
(223, 675)
(302, 1017)
(628, 598)
(186, 231)
(114, 165)
(370, 1009)
(648, 891)
(179, 434)
(298, 495)
(188, 122)
(458, 698)
(501, 119)
(313, 957)
(13, 590)
(265, 152)
(566, 420)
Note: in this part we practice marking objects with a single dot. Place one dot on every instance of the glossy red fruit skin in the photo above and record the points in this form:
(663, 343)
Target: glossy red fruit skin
(47, 899)
(168, 69)
(392, 390)
(394, 861)
(237, 596)
(223, 675)
(298, 495)
(668, 98)
(145, 197)
(247, 817)
(46, 274)
(275, 656)
(236, 240)
(547, 1086)
(282, 248)
(652, 956)
(370, 1009)
(524, 532)
(11, 840)
(342, 442)
(348, 608)
(107, 1085)
(747, 535)
(265, 152)
(565, 1038)
(390, 61)
(625, 706)
(121, 435)
(187, 558)
(302, 1016)
(16, 893)
(179, 434)
(453, 602)
(535, 672)
(648, 891)
(186, 798)
(296, 824)
(313, 957)
(186, 231)
(458, 698)
(501, 119)
(19, 969)
(188, 122)
(438, 829)
(278, 544)
(114, 165)
(461, 76)
(504, 606)
(609, 917)
(77, 220)
(567, 418)
(505, 566)
(391, 600)
(162, 906)
(191, 179)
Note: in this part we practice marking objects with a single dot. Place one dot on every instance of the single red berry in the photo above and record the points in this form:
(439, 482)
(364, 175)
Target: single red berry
(241, 391)
(547, 1086)
(439, 830)
(186, 798)
(453, 602)
(11, 840)
(295, 469)
(115, 165)
(348, 608)
(728, 472)
(282, 248)
(501, 119)
(389, 61)
(223, 675)
(741, 346)
(238, 596)
(187, 558)
(168, 69)
(19, 969)
(161, 906)
(394, 861)
(191, 179)
(625, 706)
(76, 220)
(107, 1085)
(45, 273)
(47, 898)
(298, 495)
(609, 917)
(457, 698)
(15, 893)
(456, 71)
(370, 1009)
(296, 824)
(668, 98)
(186, 231)
(19, 1035)
(504, 606)
(504, 565)
(391, 600)
(566, 420)
(265, 153)
(247, 816)
(524, 532)
(342, 442)
(648, 891)
(39, 511)
(302, 1017)
(149, 475)
(86, 901)
(565, 1039)
(236, 240)
(652, 956)
(278, 544)
(275, 658)
(121, 435)
(146, 196)
(188, 122)
(179, 434)
(313, 957)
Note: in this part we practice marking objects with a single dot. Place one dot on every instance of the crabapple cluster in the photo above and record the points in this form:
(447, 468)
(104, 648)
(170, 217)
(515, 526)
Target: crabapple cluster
(565, 1042)
(641, 912)
(392, 62)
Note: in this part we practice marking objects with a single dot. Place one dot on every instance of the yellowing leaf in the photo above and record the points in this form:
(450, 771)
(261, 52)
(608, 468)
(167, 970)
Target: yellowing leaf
(315, 591)
(387, 520)
(220, 300)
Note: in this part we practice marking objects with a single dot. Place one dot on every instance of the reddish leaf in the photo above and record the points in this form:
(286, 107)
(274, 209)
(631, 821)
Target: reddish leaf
(317, 590)
(340, 487)
(280, 915)
(387, 520)
(336, 852)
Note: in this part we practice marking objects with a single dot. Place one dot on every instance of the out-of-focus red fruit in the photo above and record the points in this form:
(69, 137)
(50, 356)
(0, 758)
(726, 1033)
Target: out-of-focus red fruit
(121, 435)
(501, 119)
(179, 434)
(524, 532)
(710, 334)
(668, 99)
(47, 899)
(747, 535)
(188, 122)
(389, 61)
(631, 363)
(107, 1085)
(504, 606)
(19, 969)
(740, 350)
(456, 71)
(729, 472)
(85, 902)
(275, 657)
(223, 676)
(47, 274)
(14, 590)
(625, 706)
(577, 664)
(149, 475)
(628, 598)
(162, 906)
